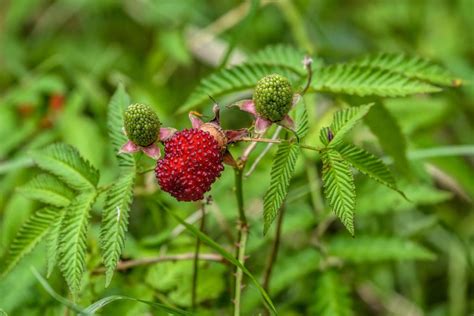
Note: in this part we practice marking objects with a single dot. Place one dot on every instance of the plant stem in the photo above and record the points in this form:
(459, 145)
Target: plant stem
(274, 252)
(125, 265)
(242, 238)
(276, 141)
(196, 258)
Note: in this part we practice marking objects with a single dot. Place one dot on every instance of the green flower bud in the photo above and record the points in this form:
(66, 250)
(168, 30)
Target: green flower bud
(273, 97)
(141, 124)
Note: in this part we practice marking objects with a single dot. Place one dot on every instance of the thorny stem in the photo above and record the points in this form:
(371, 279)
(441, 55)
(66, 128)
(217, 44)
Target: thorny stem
(196, 257)
(242, 239)
(276, 141)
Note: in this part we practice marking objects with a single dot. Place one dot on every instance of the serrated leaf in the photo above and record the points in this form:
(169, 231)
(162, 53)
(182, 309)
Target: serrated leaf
(332, 296)
(364, 81)
(117, 105)
(235, 79)
(343, 121)
(52, 242)
(383, 125)
(115, 222)
(375, 248)
(302, 121)
(280, 55)
(410, 66)
(65, 162)
(282, 171)
(47, 189)
(73, 239)
(369, 165)
(339, 188)
(29, 235)
(228, 256)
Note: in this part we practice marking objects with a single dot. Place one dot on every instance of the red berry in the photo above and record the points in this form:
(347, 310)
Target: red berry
(192, 162)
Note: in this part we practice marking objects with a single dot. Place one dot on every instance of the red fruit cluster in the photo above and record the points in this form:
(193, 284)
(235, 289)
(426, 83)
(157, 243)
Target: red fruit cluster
(192, 162)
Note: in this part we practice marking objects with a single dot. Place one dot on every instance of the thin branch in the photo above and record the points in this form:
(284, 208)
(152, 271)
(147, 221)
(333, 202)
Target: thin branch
(274, 252)
(264, 152)
(125, 265)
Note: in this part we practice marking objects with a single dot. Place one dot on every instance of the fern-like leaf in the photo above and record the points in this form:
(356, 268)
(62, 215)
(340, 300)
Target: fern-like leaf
(343, 121)
(280, 55)
(369, 165)
(47, 189)
(29, 235)
(282, 171)
(235, 79)
(119, 196)
(115, 222)
(332, 296)
(302, 121)
(375, 248)
(339, 187)
(52, 242)
(364, 81)
(73, 239)
(117, 105)
(65, 162)
(410, 66)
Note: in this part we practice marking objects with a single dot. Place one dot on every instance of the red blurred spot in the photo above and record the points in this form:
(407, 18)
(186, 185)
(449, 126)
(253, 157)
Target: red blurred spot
(26, 109)
(56, 101)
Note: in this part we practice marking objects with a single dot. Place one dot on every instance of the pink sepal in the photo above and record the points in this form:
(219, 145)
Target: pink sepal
(196, 122)
(236, 135)
(261, 125)
(247, 106)
(152, 151)
(166, 133)
(287, 122)
(129, 147)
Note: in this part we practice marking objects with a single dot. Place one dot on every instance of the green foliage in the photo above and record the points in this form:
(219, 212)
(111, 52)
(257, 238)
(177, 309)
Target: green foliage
(302, 121)
(280, 55)
(65, 162)
(332, 295)
(367, 81)
(47, 189)
(52, 241)
(73, 239)
(339, 187)
(365, 249)
(410, 66)
(29, 235)
(119, 196)
(282, 171)
(343, 122)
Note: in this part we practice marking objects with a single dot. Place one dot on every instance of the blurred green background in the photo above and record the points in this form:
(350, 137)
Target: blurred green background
(60, 62)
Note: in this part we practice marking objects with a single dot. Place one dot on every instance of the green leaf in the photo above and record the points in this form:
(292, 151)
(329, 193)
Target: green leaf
(73, 239)
(339, 187)
(375, 248)
(364, 81)
(410, 66)
(117, 105)
(282, 171)
(235, 79)
(93, 308)
(228, 256)
(120, 195)
(52, 242)
(369, 165)
(332, 296)
(47, 189)
(29, 235)
(383, 125)
(115, 222)
(302, 121)
(65, 162)
(343, 121)
(280, 55)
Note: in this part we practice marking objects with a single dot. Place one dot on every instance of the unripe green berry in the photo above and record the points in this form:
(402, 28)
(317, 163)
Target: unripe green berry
(273, 97)
(141, 124)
